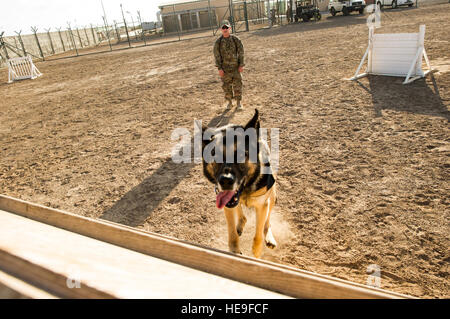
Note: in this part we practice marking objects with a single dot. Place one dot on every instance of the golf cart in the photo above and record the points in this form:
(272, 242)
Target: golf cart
(307, 10)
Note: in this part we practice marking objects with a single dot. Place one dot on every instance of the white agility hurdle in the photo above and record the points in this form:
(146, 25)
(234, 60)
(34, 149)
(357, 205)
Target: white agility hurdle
(22, 68)
(395, 54)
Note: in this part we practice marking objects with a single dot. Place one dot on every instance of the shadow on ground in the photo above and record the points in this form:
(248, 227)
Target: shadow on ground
(388, 93)
(328, 21)
(325, 23)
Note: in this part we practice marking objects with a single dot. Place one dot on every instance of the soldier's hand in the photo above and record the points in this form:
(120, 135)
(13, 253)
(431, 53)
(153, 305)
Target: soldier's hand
(240, 69)
(221, 73)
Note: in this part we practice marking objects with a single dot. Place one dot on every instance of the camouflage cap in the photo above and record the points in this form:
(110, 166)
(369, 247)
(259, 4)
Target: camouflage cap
(225, 22)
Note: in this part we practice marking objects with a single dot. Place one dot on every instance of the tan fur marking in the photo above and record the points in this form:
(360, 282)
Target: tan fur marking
(210, 168)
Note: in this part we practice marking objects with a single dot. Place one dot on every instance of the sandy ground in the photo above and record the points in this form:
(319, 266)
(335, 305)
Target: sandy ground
(364, 166)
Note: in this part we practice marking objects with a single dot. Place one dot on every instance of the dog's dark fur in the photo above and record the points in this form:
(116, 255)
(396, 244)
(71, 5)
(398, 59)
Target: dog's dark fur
(253, 188)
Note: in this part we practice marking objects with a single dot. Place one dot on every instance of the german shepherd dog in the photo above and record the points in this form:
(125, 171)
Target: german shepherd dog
(246, 182)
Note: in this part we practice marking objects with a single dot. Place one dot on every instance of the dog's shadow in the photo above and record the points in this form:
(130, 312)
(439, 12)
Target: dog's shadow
(138, 204)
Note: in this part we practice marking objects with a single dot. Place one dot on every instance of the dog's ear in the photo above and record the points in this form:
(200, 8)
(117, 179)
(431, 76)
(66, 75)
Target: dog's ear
(254, 122)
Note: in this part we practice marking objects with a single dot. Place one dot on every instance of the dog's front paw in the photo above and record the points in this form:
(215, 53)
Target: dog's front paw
(270, 242)
(257, 247)
(234, 247)
(236, 251)
(271, 245)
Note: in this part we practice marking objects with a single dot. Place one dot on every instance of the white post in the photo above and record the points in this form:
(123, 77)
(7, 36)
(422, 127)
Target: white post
(426, 59)
(413, 65)
(416, 66)
(369, 59)
(179, 22)
(198, 19)
(9, 72)
(420, 44)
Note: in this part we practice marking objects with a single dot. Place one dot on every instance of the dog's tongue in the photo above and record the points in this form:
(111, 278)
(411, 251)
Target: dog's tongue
(223, 198)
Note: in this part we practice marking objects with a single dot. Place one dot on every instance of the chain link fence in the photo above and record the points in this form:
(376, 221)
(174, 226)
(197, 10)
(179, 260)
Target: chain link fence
(179, 21)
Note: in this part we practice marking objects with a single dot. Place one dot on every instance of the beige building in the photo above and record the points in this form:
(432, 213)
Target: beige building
(323, 5)
(190, 15)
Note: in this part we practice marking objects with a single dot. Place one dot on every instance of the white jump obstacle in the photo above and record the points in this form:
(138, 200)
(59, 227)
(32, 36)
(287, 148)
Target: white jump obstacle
(395, 54)
(22, 68)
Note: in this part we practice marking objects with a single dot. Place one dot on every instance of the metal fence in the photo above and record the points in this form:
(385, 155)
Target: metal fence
(41, 45)
(131, 32)
(180, 21)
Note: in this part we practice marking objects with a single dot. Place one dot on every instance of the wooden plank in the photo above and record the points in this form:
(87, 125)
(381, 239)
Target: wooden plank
(387, 52)
(260, 273)
(393, 61)
(388, 67)
(15, 288)
(38, 275)
(395, 44)
(85, 267)
(396, 36)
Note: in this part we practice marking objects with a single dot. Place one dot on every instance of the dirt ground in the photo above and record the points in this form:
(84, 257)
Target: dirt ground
(364, 166)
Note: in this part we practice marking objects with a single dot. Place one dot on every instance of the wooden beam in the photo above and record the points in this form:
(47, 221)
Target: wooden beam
(278, 278)
(75, 266)
(15, 288)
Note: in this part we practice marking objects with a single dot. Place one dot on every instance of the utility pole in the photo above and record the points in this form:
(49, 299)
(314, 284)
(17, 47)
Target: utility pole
(142, 28)
(34, 29)
(107, 34)
(246, 16)
(230, 8)
(117, 31)
(177, 21)
(50, 40)
(104, 13)
(72, 37)
(21, 42)
(209, 17)
(2, 45)
(134, 26)
(126, 28)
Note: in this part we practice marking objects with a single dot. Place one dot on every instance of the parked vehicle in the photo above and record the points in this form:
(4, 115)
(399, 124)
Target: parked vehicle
(395, 3)
(346, 6)
(307, 10)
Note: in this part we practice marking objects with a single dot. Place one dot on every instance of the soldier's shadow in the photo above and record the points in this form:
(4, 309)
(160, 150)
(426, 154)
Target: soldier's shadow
(138, 204)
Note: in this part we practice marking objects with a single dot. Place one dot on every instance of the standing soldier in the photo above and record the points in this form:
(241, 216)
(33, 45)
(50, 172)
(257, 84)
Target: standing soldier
(289, 13)
(229, 56)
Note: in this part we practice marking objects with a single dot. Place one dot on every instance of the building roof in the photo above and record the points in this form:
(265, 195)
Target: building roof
(173, 2)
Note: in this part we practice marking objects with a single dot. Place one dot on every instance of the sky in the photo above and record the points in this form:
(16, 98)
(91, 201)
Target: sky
(17, 15)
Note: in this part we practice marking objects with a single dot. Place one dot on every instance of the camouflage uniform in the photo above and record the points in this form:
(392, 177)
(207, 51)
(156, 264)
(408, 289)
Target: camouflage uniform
(229, 56)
